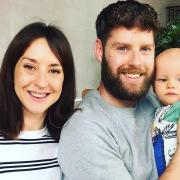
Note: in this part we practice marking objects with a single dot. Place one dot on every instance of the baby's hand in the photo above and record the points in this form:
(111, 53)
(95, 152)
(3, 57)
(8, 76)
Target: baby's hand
(153, 128)
(178, 133)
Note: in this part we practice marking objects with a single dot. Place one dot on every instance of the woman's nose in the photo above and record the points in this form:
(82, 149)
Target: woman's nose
(41, 80)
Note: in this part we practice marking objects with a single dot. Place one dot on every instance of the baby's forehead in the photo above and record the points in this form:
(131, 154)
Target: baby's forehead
(169, 55)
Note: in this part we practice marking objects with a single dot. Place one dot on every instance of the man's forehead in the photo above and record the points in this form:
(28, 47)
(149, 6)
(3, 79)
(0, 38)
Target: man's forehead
(127, 35)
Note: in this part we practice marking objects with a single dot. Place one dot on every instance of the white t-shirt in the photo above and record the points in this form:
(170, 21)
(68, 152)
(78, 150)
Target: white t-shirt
(33, 156)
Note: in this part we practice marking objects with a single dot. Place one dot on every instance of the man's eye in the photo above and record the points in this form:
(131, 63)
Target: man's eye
(145, 49)
(29, 67)
(122, 48)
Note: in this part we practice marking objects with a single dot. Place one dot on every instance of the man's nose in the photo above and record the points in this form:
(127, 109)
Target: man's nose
(135, 58)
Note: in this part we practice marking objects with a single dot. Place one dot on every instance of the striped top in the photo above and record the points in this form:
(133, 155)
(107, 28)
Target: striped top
(32, 156)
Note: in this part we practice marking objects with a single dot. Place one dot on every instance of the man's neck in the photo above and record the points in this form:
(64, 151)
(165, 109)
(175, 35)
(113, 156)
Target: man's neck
(112, 100)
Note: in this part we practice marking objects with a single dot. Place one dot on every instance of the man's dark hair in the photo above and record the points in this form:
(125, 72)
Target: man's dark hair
(129, 14)
(11, 112)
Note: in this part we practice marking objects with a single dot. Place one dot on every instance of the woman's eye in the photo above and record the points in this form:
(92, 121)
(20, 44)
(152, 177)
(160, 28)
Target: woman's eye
(55, 71)
(29, 67)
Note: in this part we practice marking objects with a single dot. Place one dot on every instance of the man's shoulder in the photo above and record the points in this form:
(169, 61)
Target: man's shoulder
(150, 100)
(90, 112)
(91, 104)
(88, 122)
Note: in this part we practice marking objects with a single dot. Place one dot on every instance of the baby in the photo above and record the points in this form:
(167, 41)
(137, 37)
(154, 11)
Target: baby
(167, 89)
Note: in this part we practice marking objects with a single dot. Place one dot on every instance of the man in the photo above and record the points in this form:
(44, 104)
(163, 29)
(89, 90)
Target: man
(110, 137)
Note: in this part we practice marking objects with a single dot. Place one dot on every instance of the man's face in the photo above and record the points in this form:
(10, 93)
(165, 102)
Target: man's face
(128, 62)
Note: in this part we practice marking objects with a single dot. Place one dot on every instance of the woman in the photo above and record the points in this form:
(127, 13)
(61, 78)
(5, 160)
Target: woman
(37, 91)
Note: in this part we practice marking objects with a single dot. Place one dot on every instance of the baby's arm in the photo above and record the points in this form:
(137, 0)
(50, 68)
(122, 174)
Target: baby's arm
(173, 169)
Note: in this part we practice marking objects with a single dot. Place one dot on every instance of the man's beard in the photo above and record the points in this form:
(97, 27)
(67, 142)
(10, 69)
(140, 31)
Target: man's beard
(118, 89)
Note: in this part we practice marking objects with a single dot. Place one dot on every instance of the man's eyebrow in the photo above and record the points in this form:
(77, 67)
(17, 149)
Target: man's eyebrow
(120, 44)
(128, 44)
(152, 44)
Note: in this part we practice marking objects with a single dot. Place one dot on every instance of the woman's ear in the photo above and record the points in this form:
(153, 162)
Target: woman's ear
(98, 50)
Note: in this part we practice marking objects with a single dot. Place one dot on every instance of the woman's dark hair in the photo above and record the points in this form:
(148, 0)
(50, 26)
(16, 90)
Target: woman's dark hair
(128, 14)
(11, 112)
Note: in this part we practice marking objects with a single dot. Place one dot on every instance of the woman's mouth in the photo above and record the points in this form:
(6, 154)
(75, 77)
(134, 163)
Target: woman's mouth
(38, 96)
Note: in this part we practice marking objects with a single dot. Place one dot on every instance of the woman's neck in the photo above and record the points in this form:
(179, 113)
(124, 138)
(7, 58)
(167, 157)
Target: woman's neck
(33, 122)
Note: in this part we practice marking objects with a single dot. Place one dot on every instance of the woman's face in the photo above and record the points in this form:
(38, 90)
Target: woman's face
(38, 78)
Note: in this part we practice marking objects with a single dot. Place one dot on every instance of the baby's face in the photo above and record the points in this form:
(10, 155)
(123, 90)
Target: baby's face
(167, 79)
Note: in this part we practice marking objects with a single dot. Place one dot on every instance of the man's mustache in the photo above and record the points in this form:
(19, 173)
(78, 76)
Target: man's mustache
(131, 70)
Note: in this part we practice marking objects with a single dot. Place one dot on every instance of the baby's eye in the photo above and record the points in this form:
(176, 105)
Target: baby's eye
(162, 79)
(29, 67)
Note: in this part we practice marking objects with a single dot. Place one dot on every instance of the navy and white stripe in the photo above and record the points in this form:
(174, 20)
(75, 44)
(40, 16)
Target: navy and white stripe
(14, 166)
(32, 156)
(27, 141)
